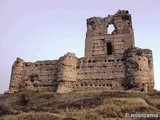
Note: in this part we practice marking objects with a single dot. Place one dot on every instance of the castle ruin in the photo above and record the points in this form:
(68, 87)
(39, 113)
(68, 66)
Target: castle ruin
(111, 62)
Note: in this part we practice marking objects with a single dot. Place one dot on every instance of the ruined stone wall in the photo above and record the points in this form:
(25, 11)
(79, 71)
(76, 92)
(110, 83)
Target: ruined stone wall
(17, 75)
(105, 72)
(100, 45)
(40, 75)
(132, 70)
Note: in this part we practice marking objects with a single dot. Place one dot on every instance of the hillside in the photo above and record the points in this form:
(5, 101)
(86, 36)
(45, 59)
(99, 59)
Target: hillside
(92, 105)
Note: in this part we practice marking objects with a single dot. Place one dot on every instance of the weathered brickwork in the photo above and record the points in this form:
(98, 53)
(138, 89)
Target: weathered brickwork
(111, 62)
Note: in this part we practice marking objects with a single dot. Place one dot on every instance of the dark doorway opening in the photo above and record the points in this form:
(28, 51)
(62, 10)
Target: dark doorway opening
(109, 48)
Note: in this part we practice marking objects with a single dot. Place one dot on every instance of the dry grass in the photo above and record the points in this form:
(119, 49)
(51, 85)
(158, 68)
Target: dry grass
(92, 105)
(33, 116)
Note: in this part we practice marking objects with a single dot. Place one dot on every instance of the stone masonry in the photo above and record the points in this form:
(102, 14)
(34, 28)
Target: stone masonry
(111, 62)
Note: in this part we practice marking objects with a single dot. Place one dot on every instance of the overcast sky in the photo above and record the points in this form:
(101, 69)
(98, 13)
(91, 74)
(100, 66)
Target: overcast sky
(47, 29)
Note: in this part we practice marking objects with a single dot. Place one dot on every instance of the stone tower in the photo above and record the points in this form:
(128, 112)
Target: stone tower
(139, 69)
(100, 42)
(67, 72)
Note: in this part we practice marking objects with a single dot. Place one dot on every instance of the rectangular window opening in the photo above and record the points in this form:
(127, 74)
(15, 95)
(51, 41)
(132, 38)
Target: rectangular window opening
(109, 48)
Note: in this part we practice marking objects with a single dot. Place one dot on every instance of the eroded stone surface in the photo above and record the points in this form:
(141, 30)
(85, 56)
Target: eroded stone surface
(111, 62)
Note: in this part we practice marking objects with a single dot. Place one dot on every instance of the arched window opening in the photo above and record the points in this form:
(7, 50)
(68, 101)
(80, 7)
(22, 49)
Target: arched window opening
(110, 29)
(109, 48)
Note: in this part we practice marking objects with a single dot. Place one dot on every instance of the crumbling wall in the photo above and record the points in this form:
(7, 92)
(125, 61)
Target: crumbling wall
(16, 76)
(40, 75)
(139, 69)
(105, 72)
